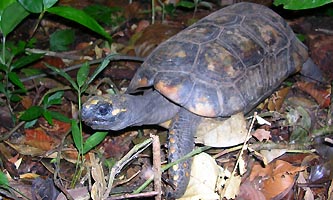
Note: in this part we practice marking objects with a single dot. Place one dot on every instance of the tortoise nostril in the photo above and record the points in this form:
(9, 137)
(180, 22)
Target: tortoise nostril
(104, 108)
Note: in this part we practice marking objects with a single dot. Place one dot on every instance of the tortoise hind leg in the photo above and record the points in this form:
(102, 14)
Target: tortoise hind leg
(181, 142)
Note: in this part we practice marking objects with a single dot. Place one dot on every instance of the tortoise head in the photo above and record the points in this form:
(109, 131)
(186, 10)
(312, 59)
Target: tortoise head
(105, 112)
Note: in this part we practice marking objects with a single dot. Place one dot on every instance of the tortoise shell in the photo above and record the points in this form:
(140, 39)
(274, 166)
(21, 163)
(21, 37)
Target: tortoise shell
(225, 63)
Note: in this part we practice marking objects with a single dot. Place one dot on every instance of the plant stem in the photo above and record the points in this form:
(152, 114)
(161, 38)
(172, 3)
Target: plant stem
(3, 50)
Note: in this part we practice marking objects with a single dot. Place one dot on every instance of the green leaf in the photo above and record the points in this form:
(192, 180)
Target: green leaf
(82, 74)
(109, 16)
(93, 141)
(26, 60)
(206, 4)
(77, 136)
(30, 124)
(16, 48)
(186, 4)
(55, 99)
(35, 6)
(31, 72)
(2, 88)
(301, 37)
(34, 112)
(299, 5)
(3, 67)
(31, 43)
(63, 74)
(47, 115)
(60, 117)
(80, 17)
(61, 39)
(3, 180)
(13, 77)
(49, 3)
(11, 17)
(15, 98)
(4, 4)
(99, 69)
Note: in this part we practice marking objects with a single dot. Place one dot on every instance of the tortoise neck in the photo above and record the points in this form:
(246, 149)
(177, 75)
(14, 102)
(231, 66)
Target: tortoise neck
(150, 108)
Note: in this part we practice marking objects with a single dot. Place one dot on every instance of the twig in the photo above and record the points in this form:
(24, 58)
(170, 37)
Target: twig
(137, 149)
(165, 167)
(74, 67)
(127, 196)
(157, 166)
(327, 31)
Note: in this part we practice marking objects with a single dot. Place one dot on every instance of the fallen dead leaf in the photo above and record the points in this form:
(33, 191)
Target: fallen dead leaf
(225, 133)
(272, 154)
(202, 182)
(277, 178)
(39, 139)
(262, 134)
(232, 186)
(97, 172)
(321, 96)
(277, 99)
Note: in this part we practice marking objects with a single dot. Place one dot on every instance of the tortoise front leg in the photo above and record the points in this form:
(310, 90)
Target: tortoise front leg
(181, 142)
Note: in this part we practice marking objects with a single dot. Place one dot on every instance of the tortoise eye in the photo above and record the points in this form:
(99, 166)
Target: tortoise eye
(104, 108)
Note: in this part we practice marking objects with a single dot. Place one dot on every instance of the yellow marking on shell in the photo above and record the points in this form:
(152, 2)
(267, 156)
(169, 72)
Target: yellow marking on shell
(181, 54)
(117, 111)
(170, 91)
(142, 82)
(185, 165)
(187, 174)
(166, 124)
(204, 109)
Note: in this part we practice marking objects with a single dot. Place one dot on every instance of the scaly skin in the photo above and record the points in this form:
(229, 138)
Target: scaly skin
(116, 112)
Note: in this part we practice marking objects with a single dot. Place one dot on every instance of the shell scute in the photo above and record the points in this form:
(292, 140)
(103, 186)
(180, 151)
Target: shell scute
(217, 64)
(245, 47)
(204, 101)
(267, 35)
(225, 63)
(199, 34)
(174, 85)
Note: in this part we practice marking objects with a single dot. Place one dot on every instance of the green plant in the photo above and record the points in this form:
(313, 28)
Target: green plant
(13, 57)
(4, 183)
(299, 5)
(171, 8)
(110, 16)
(80, 86)
(32, 114)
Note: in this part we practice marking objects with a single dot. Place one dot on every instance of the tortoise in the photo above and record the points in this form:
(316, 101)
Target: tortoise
(227, 62)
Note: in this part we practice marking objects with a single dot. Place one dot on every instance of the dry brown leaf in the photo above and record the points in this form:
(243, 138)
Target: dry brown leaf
(39, 139)
(262, 134)
(276, 100)
(248, 191)
(321, 96)
(26, 102)
(277, 178)
(97, 173)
